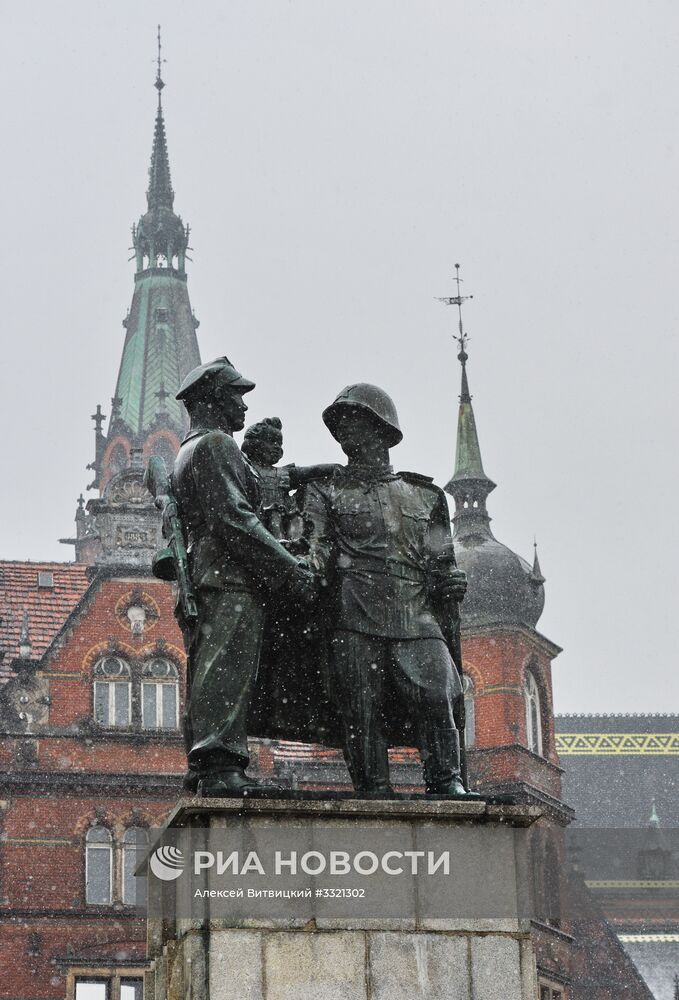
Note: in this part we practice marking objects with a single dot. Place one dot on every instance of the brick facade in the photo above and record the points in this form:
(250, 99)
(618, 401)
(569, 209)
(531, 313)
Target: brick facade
(76, 775)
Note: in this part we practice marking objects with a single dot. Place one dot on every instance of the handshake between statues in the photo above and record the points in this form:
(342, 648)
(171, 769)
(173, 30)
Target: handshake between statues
(317, 603)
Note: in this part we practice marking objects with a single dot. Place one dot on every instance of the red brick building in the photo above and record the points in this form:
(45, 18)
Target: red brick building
(93, 675)
(93, 667)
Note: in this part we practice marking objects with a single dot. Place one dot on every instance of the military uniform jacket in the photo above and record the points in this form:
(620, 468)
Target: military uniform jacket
(218, 498)
(374, 540)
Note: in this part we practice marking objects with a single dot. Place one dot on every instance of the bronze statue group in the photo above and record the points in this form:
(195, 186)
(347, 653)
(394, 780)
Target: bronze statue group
(318, 603)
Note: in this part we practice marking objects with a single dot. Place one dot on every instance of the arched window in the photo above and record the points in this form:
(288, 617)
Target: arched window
(160, 695)
(98, 866)
(112, 692)
(469, 711)
(135, 842)
(533, 716)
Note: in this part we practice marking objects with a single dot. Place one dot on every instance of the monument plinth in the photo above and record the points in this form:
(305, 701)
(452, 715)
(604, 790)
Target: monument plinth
(343, 899)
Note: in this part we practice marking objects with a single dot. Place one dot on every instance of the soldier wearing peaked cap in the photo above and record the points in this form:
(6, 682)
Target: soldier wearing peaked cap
(235, 565)
(380, 541)
(217, 372)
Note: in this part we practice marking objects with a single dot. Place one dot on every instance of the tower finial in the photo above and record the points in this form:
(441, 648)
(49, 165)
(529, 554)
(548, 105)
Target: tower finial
(159, 60)
(462, 338)
(536, 572)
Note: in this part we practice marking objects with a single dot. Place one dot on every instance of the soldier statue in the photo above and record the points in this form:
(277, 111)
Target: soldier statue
(381, 542)
(235, 566)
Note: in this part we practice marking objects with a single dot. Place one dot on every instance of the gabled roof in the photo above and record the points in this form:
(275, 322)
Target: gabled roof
(46, 607)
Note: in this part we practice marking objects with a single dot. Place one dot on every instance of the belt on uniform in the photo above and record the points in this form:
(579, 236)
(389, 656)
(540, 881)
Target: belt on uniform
(386, 567)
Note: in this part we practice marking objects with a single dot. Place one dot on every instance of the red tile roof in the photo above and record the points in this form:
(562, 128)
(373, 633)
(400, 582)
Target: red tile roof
(47, 607)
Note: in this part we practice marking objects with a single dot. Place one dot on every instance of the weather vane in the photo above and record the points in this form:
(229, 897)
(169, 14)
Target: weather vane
(159, 60)
(457, 300)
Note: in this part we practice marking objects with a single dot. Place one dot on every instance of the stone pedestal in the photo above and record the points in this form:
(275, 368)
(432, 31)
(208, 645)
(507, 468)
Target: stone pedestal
(464, 936)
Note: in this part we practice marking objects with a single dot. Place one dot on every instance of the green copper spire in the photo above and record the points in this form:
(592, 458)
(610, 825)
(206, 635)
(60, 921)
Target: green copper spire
(160, 238)
(469, 484)
(160, 193)
(160, 343)
(468, 464)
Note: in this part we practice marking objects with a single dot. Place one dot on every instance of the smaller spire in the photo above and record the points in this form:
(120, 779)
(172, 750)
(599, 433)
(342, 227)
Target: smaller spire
(536, 573)
(99, 447)
(25, 644)
(653, 819)
(98, 419)
(469, 484)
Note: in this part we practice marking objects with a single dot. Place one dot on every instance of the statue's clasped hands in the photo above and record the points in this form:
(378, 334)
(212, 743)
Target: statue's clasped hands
(302, 584)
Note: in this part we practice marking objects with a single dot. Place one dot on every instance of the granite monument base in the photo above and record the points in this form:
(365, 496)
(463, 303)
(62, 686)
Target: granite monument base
(444, 916)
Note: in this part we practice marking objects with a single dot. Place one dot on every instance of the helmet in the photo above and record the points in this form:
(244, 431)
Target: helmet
(370, 398)
(204, 374)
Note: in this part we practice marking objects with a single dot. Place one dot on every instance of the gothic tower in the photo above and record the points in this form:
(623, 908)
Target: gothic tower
(506, 660)
(120, 527)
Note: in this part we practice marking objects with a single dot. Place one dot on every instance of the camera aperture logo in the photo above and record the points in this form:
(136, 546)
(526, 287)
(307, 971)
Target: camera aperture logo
(167, 863)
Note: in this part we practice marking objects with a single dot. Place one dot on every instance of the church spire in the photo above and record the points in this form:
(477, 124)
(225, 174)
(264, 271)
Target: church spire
(160, 239)
(469, 484)
(120, 527)
(160, 193)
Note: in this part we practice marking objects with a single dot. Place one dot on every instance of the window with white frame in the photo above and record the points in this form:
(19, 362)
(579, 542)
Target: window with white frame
(108, 986)
(92, 989)
(531, 696)
(98, 866)
(112, 692)
(131, 989)
(469, 711)
(135, 841)
(160, 695)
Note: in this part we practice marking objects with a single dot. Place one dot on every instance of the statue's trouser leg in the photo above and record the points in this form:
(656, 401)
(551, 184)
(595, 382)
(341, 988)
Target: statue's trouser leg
(425, 676)
(357, 677)
(224, 656)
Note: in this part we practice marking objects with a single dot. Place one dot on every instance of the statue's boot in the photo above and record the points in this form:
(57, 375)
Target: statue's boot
(367, 761)
(441, 755)
(191, 781)
(232, 782)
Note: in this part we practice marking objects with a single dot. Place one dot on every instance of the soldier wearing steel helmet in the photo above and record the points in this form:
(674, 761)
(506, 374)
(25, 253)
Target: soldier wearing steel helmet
(235, 566)
(377, 541)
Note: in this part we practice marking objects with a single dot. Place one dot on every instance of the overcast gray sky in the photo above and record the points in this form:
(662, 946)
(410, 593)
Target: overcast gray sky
(335, 159)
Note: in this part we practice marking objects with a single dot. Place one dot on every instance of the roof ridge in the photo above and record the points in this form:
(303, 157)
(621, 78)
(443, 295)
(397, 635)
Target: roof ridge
(617, 715)
(43, 562)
